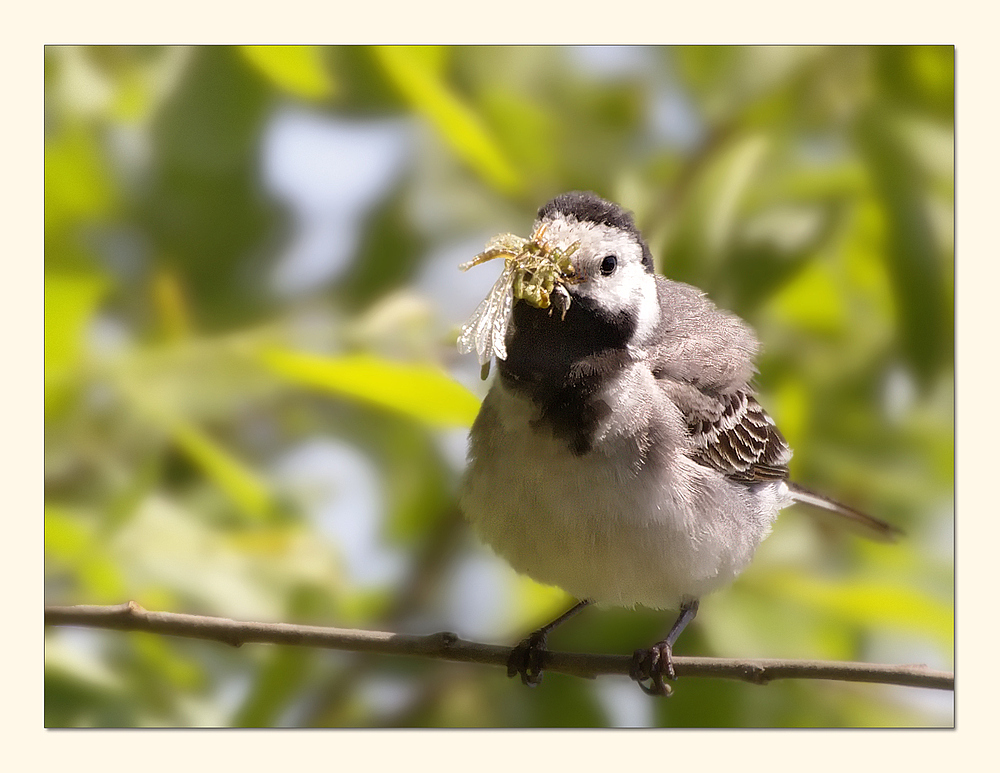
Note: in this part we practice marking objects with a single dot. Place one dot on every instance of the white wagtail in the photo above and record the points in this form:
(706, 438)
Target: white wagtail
(621, 454)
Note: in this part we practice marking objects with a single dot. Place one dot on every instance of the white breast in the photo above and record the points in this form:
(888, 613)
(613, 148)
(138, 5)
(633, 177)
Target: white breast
(611, 525)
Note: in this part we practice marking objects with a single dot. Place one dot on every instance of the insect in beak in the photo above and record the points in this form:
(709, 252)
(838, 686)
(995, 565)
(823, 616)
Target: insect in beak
(535, 271)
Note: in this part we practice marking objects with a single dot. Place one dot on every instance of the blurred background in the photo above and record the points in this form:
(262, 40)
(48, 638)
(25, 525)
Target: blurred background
(255, 409)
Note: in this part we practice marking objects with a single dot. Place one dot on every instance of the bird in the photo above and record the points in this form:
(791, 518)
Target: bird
(621, 453)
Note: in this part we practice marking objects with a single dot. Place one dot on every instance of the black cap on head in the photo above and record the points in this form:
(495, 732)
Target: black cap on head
(588, 206)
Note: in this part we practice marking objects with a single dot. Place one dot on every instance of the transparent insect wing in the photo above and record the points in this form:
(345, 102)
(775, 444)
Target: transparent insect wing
(507, 243)
(533, 270)
(485, 331)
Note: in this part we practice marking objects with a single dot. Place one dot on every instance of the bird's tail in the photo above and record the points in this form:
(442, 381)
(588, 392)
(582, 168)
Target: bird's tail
(880, 530)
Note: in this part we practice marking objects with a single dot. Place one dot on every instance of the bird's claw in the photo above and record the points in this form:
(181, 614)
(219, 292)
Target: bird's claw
(526, 660)
(653, 664)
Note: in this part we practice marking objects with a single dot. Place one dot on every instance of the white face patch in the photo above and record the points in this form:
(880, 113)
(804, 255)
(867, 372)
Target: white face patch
(628, 287)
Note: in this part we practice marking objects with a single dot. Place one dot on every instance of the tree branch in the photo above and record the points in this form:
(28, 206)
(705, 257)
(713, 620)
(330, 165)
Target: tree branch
(447, 646)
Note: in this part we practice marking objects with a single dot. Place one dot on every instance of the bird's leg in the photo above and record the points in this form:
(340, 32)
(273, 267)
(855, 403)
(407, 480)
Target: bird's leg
(526, 658)
(655, 662)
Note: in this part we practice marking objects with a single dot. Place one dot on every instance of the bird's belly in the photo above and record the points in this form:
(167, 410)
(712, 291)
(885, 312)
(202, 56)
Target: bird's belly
(619, 532)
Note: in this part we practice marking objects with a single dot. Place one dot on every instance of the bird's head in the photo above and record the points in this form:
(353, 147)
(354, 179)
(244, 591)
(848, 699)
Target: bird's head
(612, 289)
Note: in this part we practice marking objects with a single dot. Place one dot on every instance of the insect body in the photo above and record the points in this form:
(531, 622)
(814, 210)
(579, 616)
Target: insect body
(535, 271)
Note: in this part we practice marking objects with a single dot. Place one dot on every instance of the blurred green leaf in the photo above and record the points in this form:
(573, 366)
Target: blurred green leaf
(422, 392)
(526, 129)
(299, 70)
(180, 559)
(566, 702)
(425, 88)
(811, 301)
(865, 603)
(416, 482)
(66, 537)
(74, 544)
(177, 672)
(71, 300)
(81, 691)
(239, 481)
(77, 181)
(70, 303)
(920, 77)
(534, 604)
(201, 207)
(278, 682)
(706, 225)
(923, 306)
(244, 488)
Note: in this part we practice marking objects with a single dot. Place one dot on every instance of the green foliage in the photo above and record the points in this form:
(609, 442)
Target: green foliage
(419, 391)
(299, 70)
(810, 190)
(416, 72)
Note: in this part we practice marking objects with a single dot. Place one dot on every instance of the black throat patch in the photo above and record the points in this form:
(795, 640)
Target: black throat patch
(562, 365)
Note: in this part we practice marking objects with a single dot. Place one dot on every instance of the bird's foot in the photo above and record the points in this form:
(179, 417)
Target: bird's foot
(653, 665)
(526, 659)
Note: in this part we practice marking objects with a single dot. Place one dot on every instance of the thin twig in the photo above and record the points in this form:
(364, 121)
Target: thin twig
(447, 646)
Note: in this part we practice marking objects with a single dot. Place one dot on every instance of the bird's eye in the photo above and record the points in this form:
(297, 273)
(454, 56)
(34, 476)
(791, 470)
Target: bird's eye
(609, 264)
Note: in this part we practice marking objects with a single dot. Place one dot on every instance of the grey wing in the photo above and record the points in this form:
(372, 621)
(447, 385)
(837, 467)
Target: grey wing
(732, 433)
(703, 361)
(743, 442)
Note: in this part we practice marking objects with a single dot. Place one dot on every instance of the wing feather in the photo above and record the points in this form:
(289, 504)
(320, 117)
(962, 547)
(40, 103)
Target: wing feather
(731, 433)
